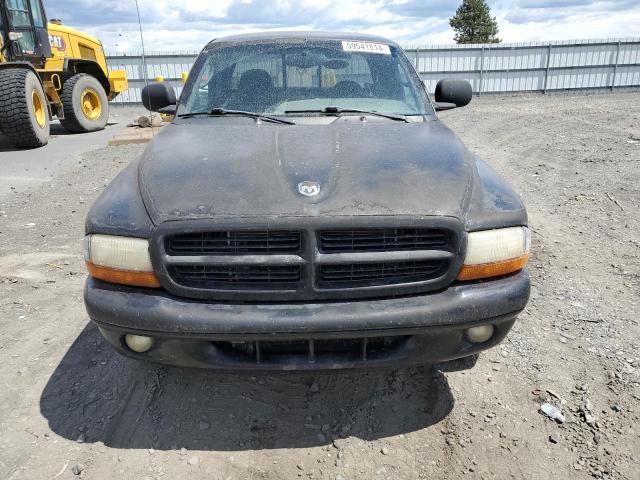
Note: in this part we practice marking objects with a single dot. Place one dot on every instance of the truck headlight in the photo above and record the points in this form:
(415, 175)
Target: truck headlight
(122, 260)
(491, 253)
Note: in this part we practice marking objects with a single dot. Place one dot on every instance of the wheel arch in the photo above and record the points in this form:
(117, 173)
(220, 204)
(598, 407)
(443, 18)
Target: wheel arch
(23, 65)
(28, 66)
(90, 67)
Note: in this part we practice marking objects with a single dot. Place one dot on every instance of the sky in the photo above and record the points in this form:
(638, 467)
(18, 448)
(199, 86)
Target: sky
(187, 25)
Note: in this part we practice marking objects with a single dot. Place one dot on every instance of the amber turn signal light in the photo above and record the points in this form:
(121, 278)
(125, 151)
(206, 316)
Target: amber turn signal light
(124, 277)
(493, 269)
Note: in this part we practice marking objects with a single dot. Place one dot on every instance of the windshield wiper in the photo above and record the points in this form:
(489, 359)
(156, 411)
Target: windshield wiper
(217, 112)
(338, 110)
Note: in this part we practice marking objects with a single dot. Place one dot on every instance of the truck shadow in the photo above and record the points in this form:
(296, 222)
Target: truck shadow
(95, 395)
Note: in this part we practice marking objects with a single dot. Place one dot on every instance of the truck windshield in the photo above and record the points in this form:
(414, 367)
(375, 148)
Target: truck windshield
(304, 77)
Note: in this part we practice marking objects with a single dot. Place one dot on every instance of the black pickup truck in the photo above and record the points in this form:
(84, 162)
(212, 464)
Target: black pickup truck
(305, 209)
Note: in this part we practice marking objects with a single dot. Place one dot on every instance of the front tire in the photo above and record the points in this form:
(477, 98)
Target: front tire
(85, 104)
(24, 114)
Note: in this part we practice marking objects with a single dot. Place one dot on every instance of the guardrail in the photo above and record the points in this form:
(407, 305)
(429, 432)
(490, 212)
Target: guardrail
(490, 68)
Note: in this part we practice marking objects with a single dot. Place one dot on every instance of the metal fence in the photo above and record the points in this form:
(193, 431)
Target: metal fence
(490, 68)
(522, 67)
(168, 65)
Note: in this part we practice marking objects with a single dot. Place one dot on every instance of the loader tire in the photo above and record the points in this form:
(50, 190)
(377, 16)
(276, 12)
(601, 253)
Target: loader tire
(85, 104)
(24, 113)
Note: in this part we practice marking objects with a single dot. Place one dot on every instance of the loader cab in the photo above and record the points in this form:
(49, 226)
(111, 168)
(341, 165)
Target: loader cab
(23, 26)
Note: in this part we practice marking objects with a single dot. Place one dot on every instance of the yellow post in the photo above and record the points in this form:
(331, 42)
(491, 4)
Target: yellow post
(159, 78)
(184, 77)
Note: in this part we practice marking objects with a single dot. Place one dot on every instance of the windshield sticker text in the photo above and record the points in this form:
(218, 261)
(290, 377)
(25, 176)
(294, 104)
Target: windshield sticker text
(366, 47)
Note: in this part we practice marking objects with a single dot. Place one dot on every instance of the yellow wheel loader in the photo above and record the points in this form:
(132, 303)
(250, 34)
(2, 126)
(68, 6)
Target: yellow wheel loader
(46, 70)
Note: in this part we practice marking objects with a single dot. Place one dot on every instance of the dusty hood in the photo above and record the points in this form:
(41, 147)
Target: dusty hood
(231, 166)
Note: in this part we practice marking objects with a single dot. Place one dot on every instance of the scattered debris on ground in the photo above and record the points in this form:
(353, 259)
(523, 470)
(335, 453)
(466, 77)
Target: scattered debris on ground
(69, 404)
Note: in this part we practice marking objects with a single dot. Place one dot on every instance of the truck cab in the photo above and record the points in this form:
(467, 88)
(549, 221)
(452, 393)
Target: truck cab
(24, 31)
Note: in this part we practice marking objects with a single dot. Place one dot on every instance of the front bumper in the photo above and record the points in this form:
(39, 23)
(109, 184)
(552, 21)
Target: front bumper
(421, 329)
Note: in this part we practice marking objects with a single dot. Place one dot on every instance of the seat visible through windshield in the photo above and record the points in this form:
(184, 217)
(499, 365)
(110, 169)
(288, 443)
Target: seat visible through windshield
(277, 78)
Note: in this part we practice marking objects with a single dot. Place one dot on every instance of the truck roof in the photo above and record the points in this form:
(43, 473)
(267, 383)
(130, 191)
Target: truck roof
(302, 35)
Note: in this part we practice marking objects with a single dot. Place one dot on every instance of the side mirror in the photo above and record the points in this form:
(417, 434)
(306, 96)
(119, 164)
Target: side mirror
(157, 96)
(452, 93)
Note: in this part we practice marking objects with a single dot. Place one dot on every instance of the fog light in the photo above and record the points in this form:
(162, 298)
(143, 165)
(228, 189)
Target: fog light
(480, 334)
(138, 343)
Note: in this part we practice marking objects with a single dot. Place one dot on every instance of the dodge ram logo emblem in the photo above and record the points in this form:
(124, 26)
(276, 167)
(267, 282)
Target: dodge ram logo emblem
(309, 189)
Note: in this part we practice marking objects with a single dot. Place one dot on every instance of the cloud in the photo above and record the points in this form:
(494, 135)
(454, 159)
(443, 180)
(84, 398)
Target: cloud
(551, 11)
(171, 25)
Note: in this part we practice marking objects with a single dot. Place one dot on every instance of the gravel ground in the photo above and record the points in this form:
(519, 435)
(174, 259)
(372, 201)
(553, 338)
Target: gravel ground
(72, 408)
